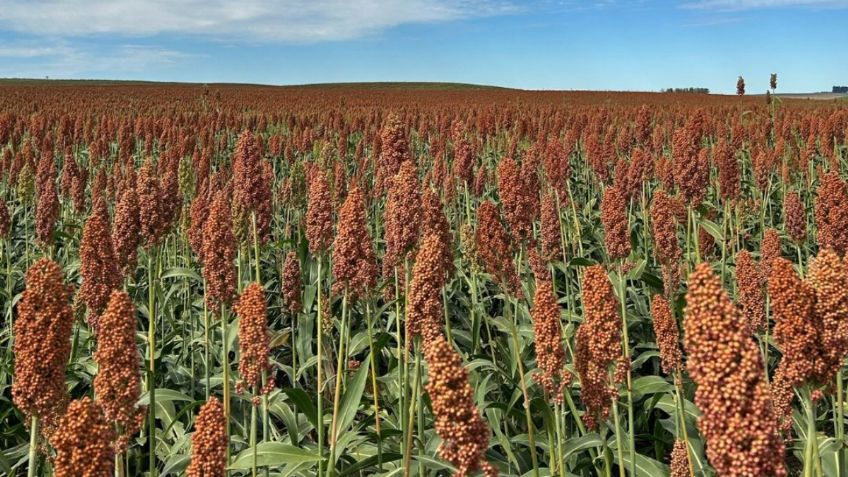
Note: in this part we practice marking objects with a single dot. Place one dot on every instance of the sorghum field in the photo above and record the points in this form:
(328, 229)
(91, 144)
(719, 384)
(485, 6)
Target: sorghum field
(395, 281)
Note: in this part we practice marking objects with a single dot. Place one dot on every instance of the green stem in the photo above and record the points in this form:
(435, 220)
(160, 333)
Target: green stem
(810, 451)
(225, 363)
(375, 390)
(340, 366)
(151, 351)
(840, 422)
(618, 442)
(411, 419)
(528, 417)
(206, 342)
(320, 384)
(33, 448)
(629, 382)
(681, 410)
(253, 436)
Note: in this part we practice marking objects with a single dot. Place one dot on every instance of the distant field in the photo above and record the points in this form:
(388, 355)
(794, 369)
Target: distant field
(817, 96)
(363, 279)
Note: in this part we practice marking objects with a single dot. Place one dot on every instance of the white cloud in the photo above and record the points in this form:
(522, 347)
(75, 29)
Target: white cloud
(758, 4)
(69, 61)
(250, 20)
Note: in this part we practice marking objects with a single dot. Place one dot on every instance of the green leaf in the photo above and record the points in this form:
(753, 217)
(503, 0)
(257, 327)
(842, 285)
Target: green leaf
(369, 462)
(666, 403)
(712, 228)
(580, 261)
(163, 395)
(176, 465)
(578, 444)
(274, 454)
(645, 466)
(651, 385)
(181, 272)
(304, 404)
(352, 397)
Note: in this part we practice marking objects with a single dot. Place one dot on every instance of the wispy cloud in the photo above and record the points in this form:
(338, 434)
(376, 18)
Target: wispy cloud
(251, 20)
(68, 60)
(761, 4)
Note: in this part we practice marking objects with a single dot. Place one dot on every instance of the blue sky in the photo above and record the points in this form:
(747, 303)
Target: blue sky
(535, 44)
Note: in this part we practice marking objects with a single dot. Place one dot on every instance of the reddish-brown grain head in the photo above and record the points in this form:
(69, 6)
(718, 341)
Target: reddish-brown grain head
(118, 381)
(42, 344)
(98, 264)
(737, 420)
(668, 335)
(597, 345)
(319, 214)
(292, 283)
(254, 339)
(550, 353)
(219, 253)
(83, 442)
(495, 249)
(354, 265)
(616, 224)
(465, 436)
(209, 442)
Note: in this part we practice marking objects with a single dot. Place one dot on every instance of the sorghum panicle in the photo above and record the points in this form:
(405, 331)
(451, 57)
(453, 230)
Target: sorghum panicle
(795, 217)
(219, 252)
(118, 381)
(828, 275)
(750, 285)
(319, 214)
(616, 225)
(770, 250)
(495, 249)
(425, 313)
(151, 220)
(292, 283)
(737, 420)
(402, 217)
(254, 340)
(43, 344)
(666, 246)
(668, 335)
(5, 220)
(550, 353)
(252, 196)
(394, 150)
(354, 266)
(46, 213)
(433, 221)
(98, 264)
(516, 199)
(728, 171)
(465, 436)
(793, 304)
(83, 442)
(679, 459)
(209, 442)
(126, 230)
(597, 345)
(831, 214)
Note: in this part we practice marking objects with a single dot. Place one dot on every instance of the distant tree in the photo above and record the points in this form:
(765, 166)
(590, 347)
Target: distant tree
(840, 89)
(740, 86)
(687, 90)
(773, 81)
